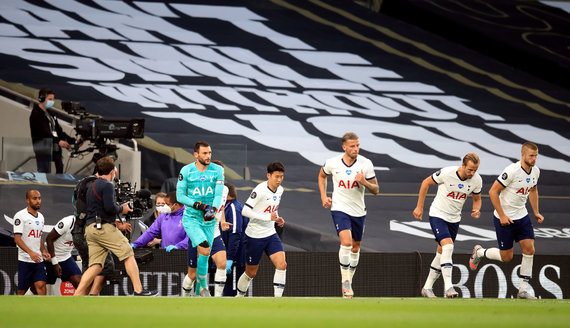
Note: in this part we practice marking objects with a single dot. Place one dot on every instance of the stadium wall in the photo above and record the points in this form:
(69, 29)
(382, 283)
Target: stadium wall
(317, 274)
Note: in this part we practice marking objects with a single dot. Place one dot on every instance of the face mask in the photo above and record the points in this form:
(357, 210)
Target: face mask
(163, 209)
(48, 104)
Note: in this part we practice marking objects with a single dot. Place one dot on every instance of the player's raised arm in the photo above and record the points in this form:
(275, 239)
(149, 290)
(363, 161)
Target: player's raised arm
(494, 195)
(533, 199)
(50, 239)
(371, 184)
(219, 189)
(250, 213)
(476, 211)
(181, 188)
(322, 180)
(419, 210)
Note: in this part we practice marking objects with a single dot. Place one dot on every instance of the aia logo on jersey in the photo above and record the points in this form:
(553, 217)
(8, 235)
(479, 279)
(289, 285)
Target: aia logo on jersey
(271, 209)
(69, 243)
(348, 184)
(35, 233)
(203, 191)
(457, 195)
(524, 191)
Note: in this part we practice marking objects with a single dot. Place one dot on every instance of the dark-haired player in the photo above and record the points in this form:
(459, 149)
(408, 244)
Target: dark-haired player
(262, 210)
(200, 186)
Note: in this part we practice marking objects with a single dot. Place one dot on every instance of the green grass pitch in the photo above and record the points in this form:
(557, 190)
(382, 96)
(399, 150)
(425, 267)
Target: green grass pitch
(107, 312)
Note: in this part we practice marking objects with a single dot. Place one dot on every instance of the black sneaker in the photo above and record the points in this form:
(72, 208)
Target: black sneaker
(146, 292)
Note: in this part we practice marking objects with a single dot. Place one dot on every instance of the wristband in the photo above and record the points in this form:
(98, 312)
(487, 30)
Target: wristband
(54, 261)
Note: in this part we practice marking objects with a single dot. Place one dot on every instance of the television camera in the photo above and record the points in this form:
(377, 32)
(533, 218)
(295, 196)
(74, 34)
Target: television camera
(139, 201)
(99, 130)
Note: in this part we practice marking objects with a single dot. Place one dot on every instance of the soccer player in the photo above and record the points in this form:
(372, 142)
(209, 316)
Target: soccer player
(261, 208)
(454, 185)
(218, 252)
(200, 186)
(351, 175)
(28, 225)
(509, 194)
(60, 244)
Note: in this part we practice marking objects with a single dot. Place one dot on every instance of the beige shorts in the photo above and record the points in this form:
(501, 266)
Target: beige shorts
(108, 238)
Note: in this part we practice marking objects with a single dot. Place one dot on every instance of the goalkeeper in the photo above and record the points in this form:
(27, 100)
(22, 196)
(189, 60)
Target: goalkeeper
(200, 186)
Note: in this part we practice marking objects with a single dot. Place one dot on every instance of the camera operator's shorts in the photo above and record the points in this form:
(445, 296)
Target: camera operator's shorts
(108, 238)
(197, 232)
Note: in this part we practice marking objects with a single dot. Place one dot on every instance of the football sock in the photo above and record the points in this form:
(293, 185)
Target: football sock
(446, 265)
(434, 271)
(490, 253)
(187, 283)
(525, 271)
(344, 259)
(279, 282)
(243, 283)
(219, 281)
(354, 257)
(202, 271)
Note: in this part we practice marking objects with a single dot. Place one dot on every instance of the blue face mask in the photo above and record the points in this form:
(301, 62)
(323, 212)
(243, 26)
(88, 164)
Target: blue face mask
(48, 104)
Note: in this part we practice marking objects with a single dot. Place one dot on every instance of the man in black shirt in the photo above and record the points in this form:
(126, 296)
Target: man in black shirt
(47, 136)
(102, 231)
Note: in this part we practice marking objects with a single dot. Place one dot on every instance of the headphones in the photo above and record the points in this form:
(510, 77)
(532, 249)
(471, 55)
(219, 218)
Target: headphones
(43, 94)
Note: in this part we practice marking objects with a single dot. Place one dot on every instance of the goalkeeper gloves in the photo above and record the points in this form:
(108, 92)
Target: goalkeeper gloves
(200, 206)
(209, 211)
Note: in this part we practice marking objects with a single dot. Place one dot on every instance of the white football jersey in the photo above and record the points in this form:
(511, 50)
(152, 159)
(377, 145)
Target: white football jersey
(452, 193)
(30, 227)
(258, 208)
(348, 194)
(517, 183)
(64, 244)
(220, 211)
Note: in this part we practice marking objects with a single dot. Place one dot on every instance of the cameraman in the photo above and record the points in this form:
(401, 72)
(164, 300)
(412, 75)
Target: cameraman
(102, 234)
(48, 137)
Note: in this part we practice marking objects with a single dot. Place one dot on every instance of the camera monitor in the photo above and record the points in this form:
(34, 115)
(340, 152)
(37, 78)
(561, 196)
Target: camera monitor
(126, 128)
